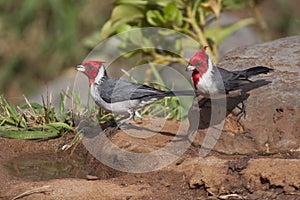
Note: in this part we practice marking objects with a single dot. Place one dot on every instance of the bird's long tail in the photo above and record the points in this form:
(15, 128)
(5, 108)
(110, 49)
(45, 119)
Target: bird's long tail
(181, 93)
(255, 71)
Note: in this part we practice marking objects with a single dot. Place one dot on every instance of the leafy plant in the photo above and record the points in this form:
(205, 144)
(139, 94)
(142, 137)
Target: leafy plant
(198, 19)
(32, 120)
(40, 39)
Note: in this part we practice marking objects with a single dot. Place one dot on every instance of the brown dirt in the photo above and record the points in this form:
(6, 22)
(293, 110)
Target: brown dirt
(219, 175)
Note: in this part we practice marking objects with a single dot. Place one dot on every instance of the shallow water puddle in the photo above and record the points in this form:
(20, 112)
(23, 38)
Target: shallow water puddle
(43, 167)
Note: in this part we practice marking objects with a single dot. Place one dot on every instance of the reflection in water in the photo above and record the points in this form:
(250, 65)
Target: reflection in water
(43, 167)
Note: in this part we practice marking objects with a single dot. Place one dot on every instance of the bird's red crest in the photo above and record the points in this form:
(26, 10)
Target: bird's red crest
(199, 57)
(92, 63)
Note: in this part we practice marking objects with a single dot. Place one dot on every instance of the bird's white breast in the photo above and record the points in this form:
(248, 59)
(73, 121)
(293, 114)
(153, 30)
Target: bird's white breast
(207, 85)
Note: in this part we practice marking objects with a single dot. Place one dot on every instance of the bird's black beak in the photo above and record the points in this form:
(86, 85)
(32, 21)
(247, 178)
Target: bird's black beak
(80, 68)
(189, 67)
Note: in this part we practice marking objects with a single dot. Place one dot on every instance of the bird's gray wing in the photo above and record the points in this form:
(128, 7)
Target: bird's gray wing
(231, 80)
(114, 90)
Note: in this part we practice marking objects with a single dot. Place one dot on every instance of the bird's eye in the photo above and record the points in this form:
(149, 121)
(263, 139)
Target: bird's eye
(89, 67)
(199, 63)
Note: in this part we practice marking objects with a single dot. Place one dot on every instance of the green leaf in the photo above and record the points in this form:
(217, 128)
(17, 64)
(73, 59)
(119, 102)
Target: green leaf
(27, 135)
(140, 3)
(108, 29)
(123, 28)
(179, 18)
(126, 13)
(16, 133)
(225, 31)
(120, 15)
(170, 12)
(37, 132)
(59, 125)
(155, 18)
(178, 45)
(136, 37)
(173, 14)
(234, 4)
(164, 3)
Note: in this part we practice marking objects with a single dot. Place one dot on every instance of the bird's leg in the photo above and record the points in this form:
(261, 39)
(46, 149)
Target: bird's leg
(113, 130)
(195, 105)
(109, 131)
(125, 119)
(198, 104)
(242, 112)
(202, 102)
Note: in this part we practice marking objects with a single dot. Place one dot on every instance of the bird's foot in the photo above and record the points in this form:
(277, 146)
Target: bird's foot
(195, 108)
(110, 131)
(199, 104)
(137, 117)
(137, 114)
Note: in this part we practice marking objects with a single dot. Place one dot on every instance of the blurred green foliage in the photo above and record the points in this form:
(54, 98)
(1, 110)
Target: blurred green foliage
(198, 19)
(287, 22)
(40, 38)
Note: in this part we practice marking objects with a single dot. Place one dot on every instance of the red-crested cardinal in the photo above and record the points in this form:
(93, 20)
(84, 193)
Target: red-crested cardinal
(120, 96)
(211, 81)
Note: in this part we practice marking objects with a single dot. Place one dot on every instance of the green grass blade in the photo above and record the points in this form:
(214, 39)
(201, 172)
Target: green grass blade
(26, 135)
(60, 125)
(11, 109)
(17, 133)
(157, 75)
(130, 77)
(33, 105)
(62, 103)
(76, 98)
